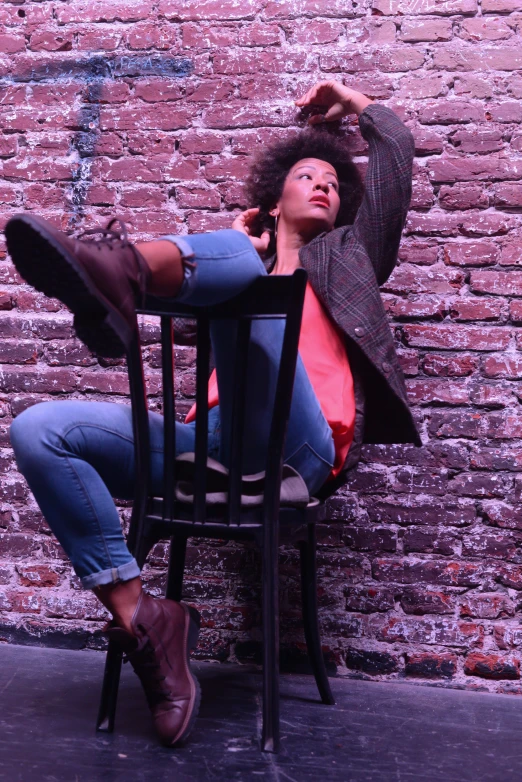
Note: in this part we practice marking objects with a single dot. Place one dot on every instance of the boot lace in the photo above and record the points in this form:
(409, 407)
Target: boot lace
(148, 670)
(110, 239)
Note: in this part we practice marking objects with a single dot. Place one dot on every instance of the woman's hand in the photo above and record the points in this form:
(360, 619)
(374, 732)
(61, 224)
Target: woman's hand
(244, 222)
(335, 98)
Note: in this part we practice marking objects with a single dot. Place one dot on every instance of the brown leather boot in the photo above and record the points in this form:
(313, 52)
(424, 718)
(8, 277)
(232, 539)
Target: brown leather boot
(100, 281)
(165, 632)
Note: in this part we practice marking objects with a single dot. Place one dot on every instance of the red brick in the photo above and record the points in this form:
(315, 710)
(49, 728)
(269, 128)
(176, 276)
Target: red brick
(316, 32)
(476, 309)
(511, 254)
(439, 7)
(246, 115)
(425, 86)
(429, 631)
(37, 381)
(484, 29)
(491, 666)
(415, 307)
(372, 662)
(500, 6)
(130, 169)
(464, 338)
(425, 601)
(209, 10)
(102, 11)
(481, 485)
(414, 30)
(19, 352)
(508, 194)
(487, 606)
(515, 311)
(37, 575)
(472, 86)
(471, 253)
(153, 90)
(369, 599)
(11, 44)
(505, 112)
(295, 9)
(507, 365)
(487, 224)
(497, 458)
(258, 34)
(431, 279)
(460, 169)
(505, 426)
(409, 571)
(500, 283)
(421, 391)
(56, 40)
(426, 665)
(462, 365)
(150, 35)
(140, 117)
(478, 140)
(463, 197)
(197, 196)
(143, 196)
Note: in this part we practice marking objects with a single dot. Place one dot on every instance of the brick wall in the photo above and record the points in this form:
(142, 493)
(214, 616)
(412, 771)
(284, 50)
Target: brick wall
(150, 109)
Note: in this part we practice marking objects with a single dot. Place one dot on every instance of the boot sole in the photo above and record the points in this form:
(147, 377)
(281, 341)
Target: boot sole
(51, 269)
(192, 640)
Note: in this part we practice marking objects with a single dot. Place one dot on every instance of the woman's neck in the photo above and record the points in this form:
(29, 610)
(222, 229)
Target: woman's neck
(287, 252)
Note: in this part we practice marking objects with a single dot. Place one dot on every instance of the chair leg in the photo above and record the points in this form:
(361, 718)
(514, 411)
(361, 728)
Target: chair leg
(270, 736)
(178, 548)
(109, 695)
(310, 619)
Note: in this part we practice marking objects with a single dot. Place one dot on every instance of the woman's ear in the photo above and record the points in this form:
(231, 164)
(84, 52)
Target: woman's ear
(274, 212)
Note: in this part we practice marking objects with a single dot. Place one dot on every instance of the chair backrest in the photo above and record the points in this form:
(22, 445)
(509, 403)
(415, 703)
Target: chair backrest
(268, 297)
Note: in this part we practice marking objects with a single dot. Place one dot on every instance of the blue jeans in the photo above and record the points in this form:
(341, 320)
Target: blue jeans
(77, 455)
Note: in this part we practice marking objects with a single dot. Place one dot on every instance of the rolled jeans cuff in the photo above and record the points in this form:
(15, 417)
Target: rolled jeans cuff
(112, 576)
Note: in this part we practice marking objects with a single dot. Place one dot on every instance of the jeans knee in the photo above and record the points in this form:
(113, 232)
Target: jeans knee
(27, 432)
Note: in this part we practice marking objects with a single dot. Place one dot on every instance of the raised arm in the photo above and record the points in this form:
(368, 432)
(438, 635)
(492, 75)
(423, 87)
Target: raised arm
(382, 214)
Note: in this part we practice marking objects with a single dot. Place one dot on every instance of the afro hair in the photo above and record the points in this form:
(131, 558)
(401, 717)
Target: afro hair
(269, 169)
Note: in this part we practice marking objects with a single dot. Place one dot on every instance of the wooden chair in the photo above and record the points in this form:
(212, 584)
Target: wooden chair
(159, 518)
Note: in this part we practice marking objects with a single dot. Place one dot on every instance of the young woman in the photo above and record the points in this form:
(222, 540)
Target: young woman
(77, 456)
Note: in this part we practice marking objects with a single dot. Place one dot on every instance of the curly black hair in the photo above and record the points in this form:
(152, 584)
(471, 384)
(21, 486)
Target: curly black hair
(269, 169)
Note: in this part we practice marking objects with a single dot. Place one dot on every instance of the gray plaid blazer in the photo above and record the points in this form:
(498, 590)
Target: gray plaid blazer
(345, 268)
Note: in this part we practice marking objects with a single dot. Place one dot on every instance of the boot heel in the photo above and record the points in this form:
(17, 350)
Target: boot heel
(195, 623)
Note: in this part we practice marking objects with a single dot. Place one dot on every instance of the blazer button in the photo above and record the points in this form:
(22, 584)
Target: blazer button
(386, 367)
(358, 331)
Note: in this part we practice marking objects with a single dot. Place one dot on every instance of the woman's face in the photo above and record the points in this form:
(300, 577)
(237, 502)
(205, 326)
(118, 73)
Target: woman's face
(310, 200)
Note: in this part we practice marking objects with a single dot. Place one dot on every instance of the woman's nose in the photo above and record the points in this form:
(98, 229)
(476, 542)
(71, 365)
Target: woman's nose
(322, 186)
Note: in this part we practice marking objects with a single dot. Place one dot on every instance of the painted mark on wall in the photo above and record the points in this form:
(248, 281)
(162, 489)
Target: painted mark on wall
(95, 72)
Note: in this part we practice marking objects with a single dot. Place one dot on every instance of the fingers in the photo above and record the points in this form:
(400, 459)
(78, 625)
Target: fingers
(316, 93)
(264, 240)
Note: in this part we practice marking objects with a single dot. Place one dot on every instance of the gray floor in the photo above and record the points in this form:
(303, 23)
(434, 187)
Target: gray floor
(385, 732)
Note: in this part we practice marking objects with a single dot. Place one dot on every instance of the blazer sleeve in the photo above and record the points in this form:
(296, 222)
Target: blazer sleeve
(379, 222)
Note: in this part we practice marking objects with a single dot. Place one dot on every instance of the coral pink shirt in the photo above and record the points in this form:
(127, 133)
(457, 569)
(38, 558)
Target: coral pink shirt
(324, 357)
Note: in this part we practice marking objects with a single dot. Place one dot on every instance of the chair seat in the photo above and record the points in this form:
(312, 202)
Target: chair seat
(216, 522)
(294, 491)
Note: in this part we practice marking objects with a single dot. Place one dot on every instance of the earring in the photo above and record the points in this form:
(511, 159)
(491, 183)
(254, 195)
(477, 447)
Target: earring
(275, 227)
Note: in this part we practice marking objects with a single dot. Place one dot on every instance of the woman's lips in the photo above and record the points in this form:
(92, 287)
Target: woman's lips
(320, 200)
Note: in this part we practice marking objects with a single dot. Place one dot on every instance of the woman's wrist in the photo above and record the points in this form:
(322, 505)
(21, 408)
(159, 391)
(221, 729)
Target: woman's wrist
(355, 102)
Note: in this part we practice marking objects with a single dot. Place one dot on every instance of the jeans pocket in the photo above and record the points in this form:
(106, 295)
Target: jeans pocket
(313, 468)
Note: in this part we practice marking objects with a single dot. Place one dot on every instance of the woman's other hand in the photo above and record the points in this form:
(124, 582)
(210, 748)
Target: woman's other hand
(244, 222)
(335, 98)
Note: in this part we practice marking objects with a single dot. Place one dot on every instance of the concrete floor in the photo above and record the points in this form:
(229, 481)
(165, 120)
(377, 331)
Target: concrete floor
(376, 732)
